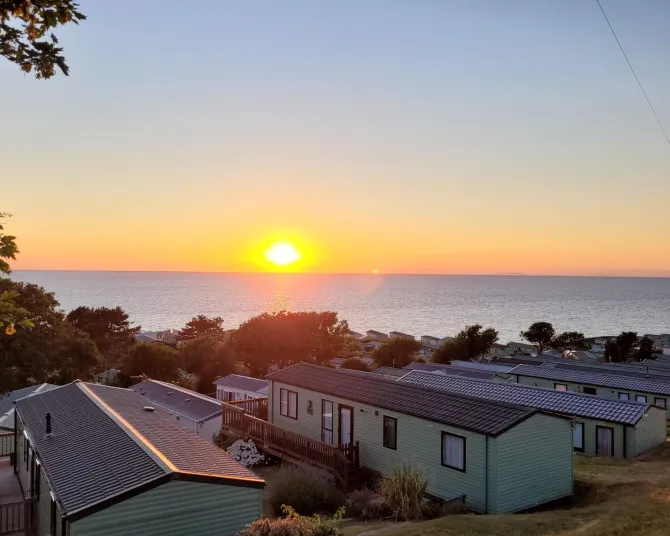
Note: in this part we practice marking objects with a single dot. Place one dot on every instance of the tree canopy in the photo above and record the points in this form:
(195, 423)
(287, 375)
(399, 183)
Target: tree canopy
(620, 349)
(152, 359)
(25, 33)
(284, 338)
(354, 363)
(469, 344)
(208, 359)
(645, 349)
(540, 333)
(397, 352)
(570, 340)
(109, 328)
(53, 351)
(202, 327)
(11, 315)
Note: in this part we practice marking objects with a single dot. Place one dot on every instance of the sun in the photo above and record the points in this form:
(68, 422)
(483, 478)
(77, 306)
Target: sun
(282, 254)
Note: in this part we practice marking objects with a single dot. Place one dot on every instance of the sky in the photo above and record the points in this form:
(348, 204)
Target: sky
(422, 136)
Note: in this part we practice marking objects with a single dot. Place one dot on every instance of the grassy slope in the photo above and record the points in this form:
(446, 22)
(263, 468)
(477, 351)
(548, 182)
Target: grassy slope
(613, 498)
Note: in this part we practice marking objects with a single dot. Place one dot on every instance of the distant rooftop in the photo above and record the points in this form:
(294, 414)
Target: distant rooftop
(245, 383)
(7, 402)
(179, 400)
(593, 378)
(438, 368)
(565, 402)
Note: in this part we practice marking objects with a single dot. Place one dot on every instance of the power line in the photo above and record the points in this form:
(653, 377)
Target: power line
(660, 124)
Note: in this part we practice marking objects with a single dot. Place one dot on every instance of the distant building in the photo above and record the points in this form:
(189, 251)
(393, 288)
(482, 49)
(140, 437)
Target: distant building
(371, 346)
(430, 341)
(500, 350)
(523, 348)
(107, 377)
(354, 334)
(236, 387)
(200, 413)
(376, 335)
(400, 335)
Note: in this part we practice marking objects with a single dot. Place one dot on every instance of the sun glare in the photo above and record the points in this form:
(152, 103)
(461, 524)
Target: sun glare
(282, 254)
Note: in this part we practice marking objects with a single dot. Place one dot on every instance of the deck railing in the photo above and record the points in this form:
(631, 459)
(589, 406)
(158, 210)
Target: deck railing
(256, 407)
(280, 442)
(6, 443)
(16, 517)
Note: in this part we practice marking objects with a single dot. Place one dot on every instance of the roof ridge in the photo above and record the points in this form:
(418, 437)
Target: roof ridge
(539, 388)
(146, 445)
(382, 378)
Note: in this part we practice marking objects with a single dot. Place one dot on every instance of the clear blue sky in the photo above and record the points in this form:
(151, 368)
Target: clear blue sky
(405, 136)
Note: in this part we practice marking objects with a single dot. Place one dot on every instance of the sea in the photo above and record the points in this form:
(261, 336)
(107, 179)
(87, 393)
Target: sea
(438, 305)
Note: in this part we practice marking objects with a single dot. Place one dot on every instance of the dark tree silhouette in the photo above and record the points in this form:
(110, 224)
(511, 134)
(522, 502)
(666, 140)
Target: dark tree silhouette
(397, 352)
(540, 333)
(469, 344)
(202, 327)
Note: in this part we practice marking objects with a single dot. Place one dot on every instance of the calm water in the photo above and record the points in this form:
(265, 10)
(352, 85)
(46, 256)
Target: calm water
(438, 305)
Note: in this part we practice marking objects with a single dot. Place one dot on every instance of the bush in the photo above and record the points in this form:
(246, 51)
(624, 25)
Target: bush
(403, 492)
(295, 525)
(307, 491)
(365, 504)
(246, 453)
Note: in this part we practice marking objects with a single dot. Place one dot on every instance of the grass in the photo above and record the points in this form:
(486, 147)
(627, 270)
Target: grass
(612, 498)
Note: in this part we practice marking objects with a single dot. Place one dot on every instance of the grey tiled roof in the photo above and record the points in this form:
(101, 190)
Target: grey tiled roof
(651, 374)
(88, 457)
(245, 383)
(179, 400)
(390, 371)
(493, 367)
(461, 411)
(449, 369)
(104, 444)
(565, 402)
(594, 378)
(185, 449)
(7, 401)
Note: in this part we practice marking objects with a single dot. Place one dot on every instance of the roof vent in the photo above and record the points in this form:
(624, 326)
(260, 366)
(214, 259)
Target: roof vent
(48, 419)
(168, 393)
(148, 408)
(187, 400)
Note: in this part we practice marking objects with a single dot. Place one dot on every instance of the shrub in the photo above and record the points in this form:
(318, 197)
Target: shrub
(403, 491)
(246, 453)
(295, 525)
(306, 491)
(365, 503)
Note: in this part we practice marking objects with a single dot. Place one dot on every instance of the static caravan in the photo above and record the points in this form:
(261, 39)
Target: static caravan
(501, 457)
(605, 385)
(601, 426)
(101, 461)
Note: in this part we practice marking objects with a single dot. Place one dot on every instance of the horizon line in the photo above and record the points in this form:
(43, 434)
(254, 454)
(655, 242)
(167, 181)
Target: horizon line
(503, 274)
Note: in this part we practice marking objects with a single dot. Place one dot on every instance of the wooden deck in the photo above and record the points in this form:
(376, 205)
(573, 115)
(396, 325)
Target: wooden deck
(295, 448)
(15, 511)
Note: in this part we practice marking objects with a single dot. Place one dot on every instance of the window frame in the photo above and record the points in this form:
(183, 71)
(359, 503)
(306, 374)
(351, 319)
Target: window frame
(465, 454)
(641, 396)
(288, 403)
(395, 432)
(325, 401)
(627, 395)
(588, 387)
(574, 448)
(562, 385)
(665, 402)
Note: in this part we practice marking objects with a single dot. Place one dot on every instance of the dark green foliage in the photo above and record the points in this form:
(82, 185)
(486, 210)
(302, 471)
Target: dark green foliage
(354, 363)
(469, 344)
(11, 315)
(285, 338)
(397, 352)
(110, 329)
(25, 37)
(8, 247)
(307, 491)
(645, 349)
(153, 360)
(202, 327)
(53, 351)
(620, 349)
(209, 359)
(570, 340)
(540, 333)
